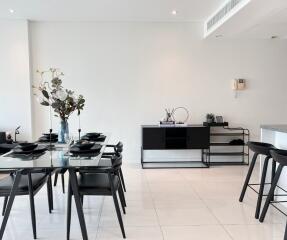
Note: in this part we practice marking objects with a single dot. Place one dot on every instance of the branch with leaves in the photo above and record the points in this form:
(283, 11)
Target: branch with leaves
(63, 101)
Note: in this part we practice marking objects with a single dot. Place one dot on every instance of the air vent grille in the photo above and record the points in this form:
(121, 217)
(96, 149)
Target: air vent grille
(222, 12)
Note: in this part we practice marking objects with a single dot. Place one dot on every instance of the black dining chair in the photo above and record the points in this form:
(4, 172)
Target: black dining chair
(101, 181)
(118, 148)
(30, 184)
(62, 172)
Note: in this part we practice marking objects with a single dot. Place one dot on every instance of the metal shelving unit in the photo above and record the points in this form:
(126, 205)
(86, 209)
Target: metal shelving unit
(226, 134)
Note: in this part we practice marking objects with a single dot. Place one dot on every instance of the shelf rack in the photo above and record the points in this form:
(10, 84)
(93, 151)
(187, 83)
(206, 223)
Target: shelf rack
(228, 132)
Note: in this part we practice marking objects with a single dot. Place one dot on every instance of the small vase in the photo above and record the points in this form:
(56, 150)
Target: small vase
(209, 120)
(63, 135)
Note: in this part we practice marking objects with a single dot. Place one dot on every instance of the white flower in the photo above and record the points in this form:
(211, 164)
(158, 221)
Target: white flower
(61, 95)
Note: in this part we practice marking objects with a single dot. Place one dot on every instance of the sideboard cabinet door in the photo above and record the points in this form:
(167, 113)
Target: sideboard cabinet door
(198, 138)
(153, 138)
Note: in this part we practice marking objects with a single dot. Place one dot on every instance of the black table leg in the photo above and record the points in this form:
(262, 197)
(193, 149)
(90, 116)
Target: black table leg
(10, 203)
(79, 206)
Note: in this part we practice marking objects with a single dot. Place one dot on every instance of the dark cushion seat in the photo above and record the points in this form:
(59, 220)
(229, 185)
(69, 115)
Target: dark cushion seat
(96, 183)
(37, 180)
(260, 147)
(280, 156)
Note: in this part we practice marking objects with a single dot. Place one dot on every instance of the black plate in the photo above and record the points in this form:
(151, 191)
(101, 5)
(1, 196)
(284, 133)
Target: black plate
(39, 149)
(96, 148)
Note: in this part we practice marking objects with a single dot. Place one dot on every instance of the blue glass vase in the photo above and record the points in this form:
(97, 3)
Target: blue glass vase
(63, 136)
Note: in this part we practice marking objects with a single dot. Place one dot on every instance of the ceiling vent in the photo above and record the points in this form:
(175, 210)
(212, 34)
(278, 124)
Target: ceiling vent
(221, 13)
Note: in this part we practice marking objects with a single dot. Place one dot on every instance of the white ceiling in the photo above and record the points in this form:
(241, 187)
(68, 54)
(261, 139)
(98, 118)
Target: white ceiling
(273, 25)
(108, 10)
(257, 19)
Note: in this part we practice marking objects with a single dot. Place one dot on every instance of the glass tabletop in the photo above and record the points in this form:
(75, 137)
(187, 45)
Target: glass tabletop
(58, 157)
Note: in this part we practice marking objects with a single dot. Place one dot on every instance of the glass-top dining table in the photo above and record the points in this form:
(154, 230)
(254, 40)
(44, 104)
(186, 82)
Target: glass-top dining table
(56, 158)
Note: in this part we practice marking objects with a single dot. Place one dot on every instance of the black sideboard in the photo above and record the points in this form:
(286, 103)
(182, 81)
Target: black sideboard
(155, 137)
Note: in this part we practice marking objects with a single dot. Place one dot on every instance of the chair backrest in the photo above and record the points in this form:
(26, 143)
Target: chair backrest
(280, 156)
(119, 147)
(116, 161)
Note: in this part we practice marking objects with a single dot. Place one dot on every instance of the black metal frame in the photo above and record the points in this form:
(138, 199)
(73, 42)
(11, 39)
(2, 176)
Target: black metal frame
(270, 195)
(205, 164)
(244, 134)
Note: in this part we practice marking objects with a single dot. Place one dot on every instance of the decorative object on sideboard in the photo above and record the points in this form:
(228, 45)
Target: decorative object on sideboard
(219, 119)
(238, 85)
(16, 133)
(171, 117)
(210, 118)
(63, 101)
(9, 138)
(2, 137)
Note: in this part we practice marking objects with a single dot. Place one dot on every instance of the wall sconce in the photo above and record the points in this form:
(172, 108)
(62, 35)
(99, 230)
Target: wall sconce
(238, 85)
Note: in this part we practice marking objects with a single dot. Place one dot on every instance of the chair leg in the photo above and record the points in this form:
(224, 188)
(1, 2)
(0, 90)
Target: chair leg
(4, 205)
(69, 208)
(114, 194)
(82, 199)
(51, 190)
(273, 174)
(124, 198)
(271, 193)
(63, 182)
(250, 170)
(120, 191)
(10, 202)
(261, 189)
(56, 179)
(285, 235)
(32, 205)
(122, 179)
(79, 207)
(49, 197)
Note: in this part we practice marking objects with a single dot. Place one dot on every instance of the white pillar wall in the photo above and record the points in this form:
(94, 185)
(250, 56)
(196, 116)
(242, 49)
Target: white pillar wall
(15, 84)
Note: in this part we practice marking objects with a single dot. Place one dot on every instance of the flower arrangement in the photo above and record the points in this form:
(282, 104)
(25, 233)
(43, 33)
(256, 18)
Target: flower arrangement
(53, 94)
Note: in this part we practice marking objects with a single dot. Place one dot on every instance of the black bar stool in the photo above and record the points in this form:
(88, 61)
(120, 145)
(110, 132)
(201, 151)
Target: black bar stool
(258, 148)
(280, 156)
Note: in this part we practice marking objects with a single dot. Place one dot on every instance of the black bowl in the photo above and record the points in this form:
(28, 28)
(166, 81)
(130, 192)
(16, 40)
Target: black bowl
(84, 145)
(93, 135)
(28, 146)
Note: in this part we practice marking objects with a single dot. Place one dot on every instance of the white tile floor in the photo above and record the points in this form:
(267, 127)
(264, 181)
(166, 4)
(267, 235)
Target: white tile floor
(174, 204)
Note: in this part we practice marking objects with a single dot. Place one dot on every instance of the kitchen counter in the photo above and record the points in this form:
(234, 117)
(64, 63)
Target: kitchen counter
(275, 127)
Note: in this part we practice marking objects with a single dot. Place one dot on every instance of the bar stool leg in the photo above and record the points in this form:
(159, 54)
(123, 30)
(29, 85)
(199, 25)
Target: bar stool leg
(252, 164)
(271, 192)
(261, 189)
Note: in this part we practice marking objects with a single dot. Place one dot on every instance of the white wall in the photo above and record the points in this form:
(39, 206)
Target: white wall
(129, 72)
(15, 99)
